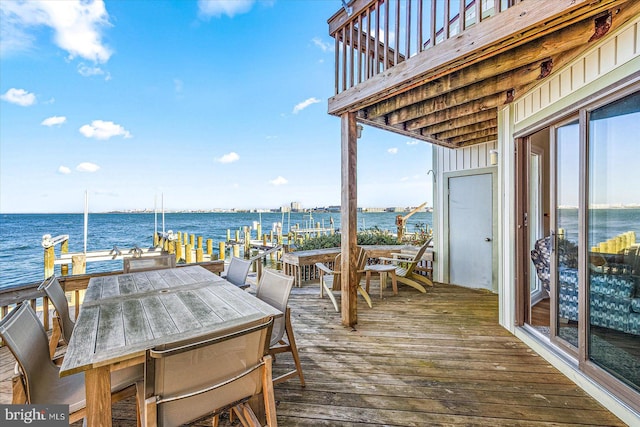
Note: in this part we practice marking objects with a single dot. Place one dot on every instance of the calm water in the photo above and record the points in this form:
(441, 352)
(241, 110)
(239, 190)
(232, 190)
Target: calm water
(605, 223)
(22, 256)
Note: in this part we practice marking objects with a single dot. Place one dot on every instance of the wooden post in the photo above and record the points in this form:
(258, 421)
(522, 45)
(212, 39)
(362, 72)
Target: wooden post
(221, 250)
(258, 231)
(178, 250)
(200, 242)
(156, 239)
(192, 240)
(188, 256)
(78, 264)
(171, 247)
(264, 239)
(236, 251)
(247, 242)
(228, 234)
(237, 236)
(199, 255)
(64, 249)
(348, 219)
(210, 247)
(49, 258)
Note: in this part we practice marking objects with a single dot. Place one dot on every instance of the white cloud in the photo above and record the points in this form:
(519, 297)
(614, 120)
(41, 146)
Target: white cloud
(100, 129)
(87, 71)
(53, 121)
(404, 178)
(87, 167)
(304, 104)
(324, 46)
(64, 170)
(393, 150)
(413, 142)
(229, 158)
(217, 8)
(278, 181)
(77, 26)
(19, 96)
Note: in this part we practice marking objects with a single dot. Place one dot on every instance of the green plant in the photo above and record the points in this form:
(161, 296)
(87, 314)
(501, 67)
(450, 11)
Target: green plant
(372, 236)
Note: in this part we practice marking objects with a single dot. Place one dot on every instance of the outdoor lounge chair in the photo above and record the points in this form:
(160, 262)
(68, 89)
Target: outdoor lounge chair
(193, 378)
(237, 272)
(330, 279)
(38, 380)
(274, 289)
(62, 323)
(405, 268)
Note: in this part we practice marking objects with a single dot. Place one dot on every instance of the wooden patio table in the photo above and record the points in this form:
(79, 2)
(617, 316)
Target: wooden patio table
(124, 316)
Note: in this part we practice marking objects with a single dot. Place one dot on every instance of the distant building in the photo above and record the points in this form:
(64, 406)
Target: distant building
(296, 206)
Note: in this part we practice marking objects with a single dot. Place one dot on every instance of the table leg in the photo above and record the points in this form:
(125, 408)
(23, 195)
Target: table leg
(394, 282)
(98, 395)
(383, 281)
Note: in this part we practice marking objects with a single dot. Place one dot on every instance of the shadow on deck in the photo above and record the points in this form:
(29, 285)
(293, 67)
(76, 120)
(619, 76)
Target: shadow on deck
(438, 358)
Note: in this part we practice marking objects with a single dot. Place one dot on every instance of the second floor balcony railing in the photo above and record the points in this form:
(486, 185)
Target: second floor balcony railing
(372, 36)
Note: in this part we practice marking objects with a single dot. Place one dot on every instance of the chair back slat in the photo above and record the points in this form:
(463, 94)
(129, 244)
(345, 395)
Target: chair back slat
(274, 289)
(56, 295)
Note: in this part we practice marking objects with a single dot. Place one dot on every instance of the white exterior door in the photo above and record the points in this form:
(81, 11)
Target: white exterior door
(471, 231)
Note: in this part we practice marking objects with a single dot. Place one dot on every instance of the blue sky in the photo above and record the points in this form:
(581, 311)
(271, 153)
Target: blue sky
(214, 104)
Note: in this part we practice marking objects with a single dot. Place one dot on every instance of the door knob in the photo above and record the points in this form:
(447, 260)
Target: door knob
(487, 239)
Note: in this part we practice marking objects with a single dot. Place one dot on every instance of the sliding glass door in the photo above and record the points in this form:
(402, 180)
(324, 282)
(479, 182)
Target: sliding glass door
(564, 259)
(613, 229)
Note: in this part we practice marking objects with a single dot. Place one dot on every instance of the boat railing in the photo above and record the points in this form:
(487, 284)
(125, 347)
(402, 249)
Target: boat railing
(372, 36)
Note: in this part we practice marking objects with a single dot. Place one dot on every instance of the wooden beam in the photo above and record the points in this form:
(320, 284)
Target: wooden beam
(465, 130)
(416, 134)
(477, 90)
(486, 103)
(463, 139)
(459, 122)
(480, 140)
(518, 25)
(489, 71)
(348, 219)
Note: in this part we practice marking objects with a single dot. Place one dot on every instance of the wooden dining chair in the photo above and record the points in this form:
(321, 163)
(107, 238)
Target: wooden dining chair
(189, 379)
(38, 380)
(274, 289)
(62, 323)
(130, 265)
(237, 272)
(330, 278)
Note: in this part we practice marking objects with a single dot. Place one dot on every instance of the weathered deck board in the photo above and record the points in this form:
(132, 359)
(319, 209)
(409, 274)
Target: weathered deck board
(438, 358)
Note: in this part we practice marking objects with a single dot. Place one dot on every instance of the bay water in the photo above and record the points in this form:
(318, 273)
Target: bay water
(22, 254)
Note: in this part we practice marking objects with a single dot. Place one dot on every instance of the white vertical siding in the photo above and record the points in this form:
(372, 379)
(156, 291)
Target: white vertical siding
(474, 157)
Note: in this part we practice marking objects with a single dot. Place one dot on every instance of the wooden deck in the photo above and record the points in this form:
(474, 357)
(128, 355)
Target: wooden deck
(438, 358)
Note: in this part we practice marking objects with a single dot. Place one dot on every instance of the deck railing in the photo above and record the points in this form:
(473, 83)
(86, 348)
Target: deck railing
(372, 36)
